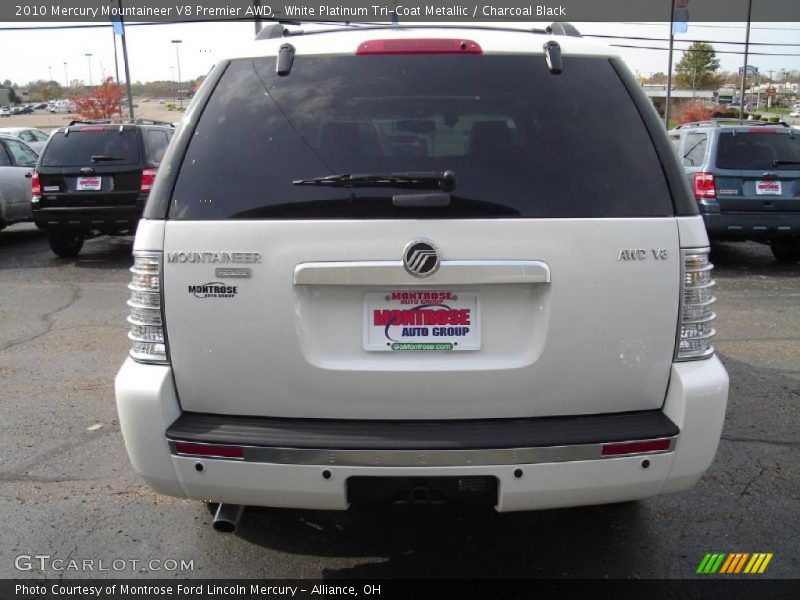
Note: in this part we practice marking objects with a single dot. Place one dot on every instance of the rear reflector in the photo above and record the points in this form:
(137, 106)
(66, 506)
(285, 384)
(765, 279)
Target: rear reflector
(419, 46)
(636, 447)
(209, 450)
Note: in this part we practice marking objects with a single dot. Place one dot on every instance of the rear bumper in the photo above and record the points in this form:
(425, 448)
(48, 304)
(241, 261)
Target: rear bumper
(86, 218)
(751, 226)
(552, 476)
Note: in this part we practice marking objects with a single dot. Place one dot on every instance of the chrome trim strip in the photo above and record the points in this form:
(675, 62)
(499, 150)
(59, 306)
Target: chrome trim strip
(422, 458)
(142, 290)
(451, 272)
(702, 286)
(134, 321)
(707, 319)
(696, 355)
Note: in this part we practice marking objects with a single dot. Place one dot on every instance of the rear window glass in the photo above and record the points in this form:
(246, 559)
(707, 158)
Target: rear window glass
(694, 149)
(758, 151)
(157, 142)
(107, 146)
(521, 141)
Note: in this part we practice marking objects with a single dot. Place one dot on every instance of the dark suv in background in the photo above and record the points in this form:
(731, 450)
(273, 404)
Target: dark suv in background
(94, 177)
(746, 180)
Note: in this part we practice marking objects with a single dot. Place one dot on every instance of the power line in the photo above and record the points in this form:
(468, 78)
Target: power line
(599, 36)
(654, 39)
(714, 26)
(692, 50)
(143, 24)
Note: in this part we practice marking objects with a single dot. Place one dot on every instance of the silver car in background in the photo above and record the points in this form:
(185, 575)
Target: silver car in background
(17, 161)
(35, 138)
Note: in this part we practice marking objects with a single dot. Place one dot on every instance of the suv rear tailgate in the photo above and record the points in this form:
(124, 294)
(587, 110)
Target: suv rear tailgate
(115, 186)
(758, 171)
(586, 342)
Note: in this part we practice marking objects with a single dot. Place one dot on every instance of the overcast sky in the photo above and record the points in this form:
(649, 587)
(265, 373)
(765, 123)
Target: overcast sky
(30, 55)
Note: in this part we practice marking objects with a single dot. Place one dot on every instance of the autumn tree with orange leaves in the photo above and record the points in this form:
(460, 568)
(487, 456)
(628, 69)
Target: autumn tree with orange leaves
(693, 111)
(102, 103)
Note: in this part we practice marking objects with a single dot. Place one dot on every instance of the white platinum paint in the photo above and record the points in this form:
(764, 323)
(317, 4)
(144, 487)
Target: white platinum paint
(282, 349)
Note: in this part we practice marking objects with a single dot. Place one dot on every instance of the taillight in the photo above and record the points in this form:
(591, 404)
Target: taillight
(36, 187)
(148, 343)
(694, 341)
(148, 177)
(704, 185)
(419, 46)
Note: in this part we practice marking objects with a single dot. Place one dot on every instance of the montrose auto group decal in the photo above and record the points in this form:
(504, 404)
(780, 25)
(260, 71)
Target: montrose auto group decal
(213, 289)
(429, 320)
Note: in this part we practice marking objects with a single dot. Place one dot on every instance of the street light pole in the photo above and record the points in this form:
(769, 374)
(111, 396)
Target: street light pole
(669, 65)
(178, 57)
(88, 56)
(50, 68)
(746, 52)
(66, 76)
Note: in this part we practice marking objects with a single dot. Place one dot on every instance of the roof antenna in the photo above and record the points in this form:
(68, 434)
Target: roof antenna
(552, 54)
(395, 19)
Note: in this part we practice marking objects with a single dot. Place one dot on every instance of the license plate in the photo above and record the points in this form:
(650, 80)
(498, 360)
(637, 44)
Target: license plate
(89, 184)
(769, 188)
(421, 321)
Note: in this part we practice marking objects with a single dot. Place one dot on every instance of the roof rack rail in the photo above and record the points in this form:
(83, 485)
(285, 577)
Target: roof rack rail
(119, 121)
(722, 122)
(272, 31)
(277, 29)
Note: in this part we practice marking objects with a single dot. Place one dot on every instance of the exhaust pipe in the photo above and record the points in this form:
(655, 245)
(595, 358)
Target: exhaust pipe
(227, 518)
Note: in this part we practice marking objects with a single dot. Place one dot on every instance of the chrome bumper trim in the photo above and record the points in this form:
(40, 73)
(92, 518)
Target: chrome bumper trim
(451, 272)
(424, 458)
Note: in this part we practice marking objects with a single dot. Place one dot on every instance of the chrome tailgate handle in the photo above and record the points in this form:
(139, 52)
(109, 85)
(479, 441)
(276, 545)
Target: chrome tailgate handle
(451, 272)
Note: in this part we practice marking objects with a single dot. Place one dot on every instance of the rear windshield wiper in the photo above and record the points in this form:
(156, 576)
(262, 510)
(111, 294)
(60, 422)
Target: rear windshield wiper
(103, 157)
(778, 163)
(444, 180)
(690, 150)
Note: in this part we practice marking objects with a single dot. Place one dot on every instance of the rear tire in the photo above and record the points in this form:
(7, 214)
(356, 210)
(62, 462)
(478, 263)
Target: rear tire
(65, 244)
(786, 251)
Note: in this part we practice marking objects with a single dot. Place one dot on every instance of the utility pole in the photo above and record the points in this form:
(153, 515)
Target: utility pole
(669, 67)
(125, 60)
(88, 56)
(116, 61)
(257, 20)
(178, 57)
(746, 52)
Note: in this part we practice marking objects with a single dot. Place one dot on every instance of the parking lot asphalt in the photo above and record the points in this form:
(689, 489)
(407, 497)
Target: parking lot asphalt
(67, 489)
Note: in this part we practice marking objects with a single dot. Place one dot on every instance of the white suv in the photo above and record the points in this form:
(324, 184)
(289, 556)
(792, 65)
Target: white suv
(407, 263)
